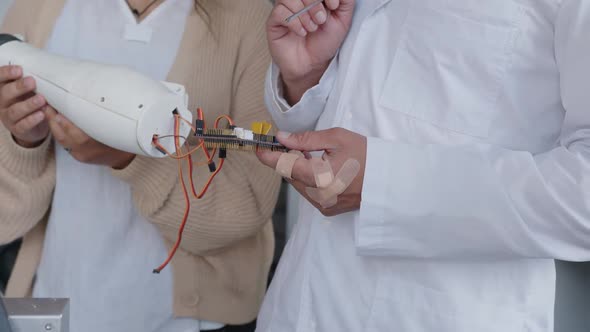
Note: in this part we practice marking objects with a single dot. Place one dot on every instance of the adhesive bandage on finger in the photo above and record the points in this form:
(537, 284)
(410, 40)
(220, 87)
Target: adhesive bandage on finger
(321, 197)
(322, 172)
(328, 197)
(329, 203)
(286, 162)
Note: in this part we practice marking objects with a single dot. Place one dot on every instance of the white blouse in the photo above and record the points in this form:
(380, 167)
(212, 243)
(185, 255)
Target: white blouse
(99, 251)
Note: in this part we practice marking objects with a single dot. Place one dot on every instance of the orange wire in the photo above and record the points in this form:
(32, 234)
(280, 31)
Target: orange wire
(200, 116)
(189, 123)
(209, 158)
(208, 183)
(187, 201)
(216, 126)
(188, 156)
(189, 152)
(231, 122)
(158, 145)
(182, 225)
(211, 179)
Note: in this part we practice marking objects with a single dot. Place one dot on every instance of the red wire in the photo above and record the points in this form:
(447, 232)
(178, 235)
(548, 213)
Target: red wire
(190, 177)
(201, 116)
(182, 225)
(211, 178)
(216, 126)
(231, 122)
(179, 158)
(186, 198)
(204, 190)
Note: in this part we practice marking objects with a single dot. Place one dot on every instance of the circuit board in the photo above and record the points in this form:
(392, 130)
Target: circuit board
(236, 138)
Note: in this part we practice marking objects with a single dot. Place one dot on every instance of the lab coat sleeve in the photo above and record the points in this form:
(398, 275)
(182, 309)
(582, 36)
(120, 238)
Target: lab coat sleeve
(304, 115)
(485, 202)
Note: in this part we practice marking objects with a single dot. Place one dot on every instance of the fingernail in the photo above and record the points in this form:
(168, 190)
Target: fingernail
(320, 17)
(28, 82)
(39, 116)
(38, 100)
(302, 32)
(283, 135)
(313, 26)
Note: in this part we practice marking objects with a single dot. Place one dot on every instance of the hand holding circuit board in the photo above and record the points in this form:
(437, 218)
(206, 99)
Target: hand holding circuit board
(332, 183)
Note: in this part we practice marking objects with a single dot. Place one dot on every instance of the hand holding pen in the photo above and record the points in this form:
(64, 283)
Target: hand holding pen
(304, 36)
(303, 11)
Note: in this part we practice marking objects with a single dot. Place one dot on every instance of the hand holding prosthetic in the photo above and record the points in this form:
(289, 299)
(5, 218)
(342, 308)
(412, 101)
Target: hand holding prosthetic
(114, 105)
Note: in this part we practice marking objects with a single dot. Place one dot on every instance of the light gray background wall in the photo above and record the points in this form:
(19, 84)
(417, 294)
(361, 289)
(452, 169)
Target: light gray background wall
(573, 281)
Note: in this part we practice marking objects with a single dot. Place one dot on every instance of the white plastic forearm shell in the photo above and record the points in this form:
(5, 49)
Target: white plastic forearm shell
(114, 105)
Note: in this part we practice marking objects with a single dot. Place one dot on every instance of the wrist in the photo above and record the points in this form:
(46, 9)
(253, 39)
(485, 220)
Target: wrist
(295, 86)
(124, 162)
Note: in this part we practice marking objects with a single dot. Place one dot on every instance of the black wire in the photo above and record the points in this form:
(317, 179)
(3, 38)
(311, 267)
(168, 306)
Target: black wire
(136, 12)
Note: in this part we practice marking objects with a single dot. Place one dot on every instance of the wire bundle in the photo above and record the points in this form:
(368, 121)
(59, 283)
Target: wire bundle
(180, 156)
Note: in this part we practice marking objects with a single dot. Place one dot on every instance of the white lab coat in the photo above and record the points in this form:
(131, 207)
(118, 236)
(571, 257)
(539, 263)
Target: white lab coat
(477, 175)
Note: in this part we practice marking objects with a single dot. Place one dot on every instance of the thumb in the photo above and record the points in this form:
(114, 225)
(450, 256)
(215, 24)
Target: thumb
(308, 141)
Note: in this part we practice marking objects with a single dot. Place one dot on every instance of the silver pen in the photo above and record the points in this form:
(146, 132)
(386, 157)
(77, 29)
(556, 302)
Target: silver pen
(303, 11)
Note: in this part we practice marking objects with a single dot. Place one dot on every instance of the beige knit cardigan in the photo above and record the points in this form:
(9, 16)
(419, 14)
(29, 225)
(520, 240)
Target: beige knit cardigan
(220, 273)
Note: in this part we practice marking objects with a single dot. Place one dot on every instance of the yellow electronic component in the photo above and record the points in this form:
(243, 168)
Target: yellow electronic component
(261, 128)
(266, 127)
(257, 127)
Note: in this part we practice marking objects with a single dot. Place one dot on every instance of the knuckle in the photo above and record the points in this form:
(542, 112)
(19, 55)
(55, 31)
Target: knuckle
(26, 123)
(337, 131)
(21, 84)
(20, 128)
(3, 94)
(12, 112)
(84, 140)
(81, 157)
